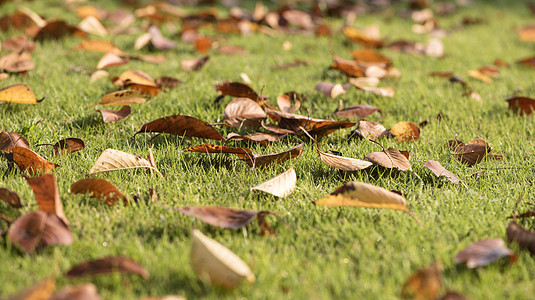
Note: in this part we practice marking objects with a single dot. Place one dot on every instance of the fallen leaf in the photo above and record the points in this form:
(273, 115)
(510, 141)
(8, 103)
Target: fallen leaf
(295, 64)
(144, 89)
(316, 127)
(286, 104)
(360, 37)
(327, 88)
(10, 140)
(258, 137)
(439, 170)
(343, 163)
(142, 41)
(452, 295)
(203, 45)
(265, 160)
(17, 62)
(425, 284)
(98, 75)
(391, 159)
(134, 76)
(123, 97)
(85, 291)
(10, 197)
(115, 115)
(209, 148)
(182, 125)
(18, 43)
(38, 229)
(107, 265)
(387, 92)
(158, 40)
(434, 48)
(47, 197)
(40, 291)
(281, 185)
(527, 34)
(346, 66)
(501, 63)
(18, 93)
(357, 111)
(237, 89)
(484, 252)
(68, 146)
(244, 113)
(112, 160)
(471, 154)
(101, 189)
(523, 105)
(215, 263)
(369, 57)
(225, 217)
(166, 82)
(110, 59)
(525, 238)
(92, 25)
(528, 62)
(363, 195)
(372, 130)
(99, 46)
(477, 74)
(405, 132)
(232, 50)
(194, 64)
(27, 160)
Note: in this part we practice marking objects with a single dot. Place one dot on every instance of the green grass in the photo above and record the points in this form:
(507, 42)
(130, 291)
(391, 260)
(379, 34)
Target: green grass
(339, 253)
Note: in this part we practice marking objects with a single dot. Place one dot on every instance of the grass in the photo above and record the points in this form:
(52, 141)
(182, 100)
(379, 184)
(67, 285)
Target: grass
(340, 253)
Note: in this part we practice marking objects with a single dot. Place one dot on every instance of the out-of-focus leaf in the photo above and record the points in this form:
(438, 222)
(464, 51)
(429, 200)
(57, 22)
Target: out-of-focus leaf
(425, 284)
(525, 238)
(524, 105)
(484, 252)
(18, 93)
(107, 265)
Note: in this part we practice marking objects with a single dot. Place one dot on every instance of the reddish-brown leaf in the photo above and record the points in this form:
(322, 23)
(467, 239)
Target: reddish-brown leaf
(115, 115)
(107, 265)
(203, 45)
(225, 217)
(390, 158)
(194, 64)
(452, 295)
(209, 148)
(238, 90)
(527, 34)
(405, 132)
(10, 197)
(258, 137)
(523, 105)
(56, 30)
(439, 170)
(68, 146)
(471, 154)
(101, 189)
(27, 160)
(528, 62)
(347, 66)
(144, 89)
(182, 125)
(373, 130)
(424, 284)
(316, 127)
(47, 197)
(525, 238)
(265, 160)
(244, 113)
(357, 111)
(10, 140)
(484, 252)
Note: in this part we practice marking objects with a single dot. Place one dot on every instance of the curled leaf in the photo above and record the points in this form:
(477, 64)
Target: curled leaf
(390, 158)
(343, 163)
(194, 64)
(10, 197)
(424, 284)
(439, 170)
(115, 115)
(525, 238)
(244, 113)
(27, 160)
(68, 146)
(265, 160)
(10, 140)
(524, 105)
(220, 216)
(110, 59)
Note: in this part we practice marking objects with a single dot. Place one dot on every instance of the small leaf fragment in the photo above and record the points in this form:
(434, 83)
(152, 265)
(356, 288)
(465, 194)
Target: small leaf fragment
(525, 238)
(10, 197)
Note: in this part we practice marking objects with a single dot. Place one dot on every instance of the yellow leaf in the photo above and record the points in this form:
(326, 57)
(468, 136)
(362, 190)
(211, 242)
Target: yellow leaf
(18, 93)
(123, 97)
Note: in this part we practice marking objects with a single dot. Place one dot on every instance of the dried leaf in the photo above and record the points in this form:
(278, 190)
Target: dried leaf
(281, 185)
(68, 146)
(85, 291)
(232, 50)
(115, 115)
(110, 59)
(237, 89)
(348, 67)
(47, 197)
(477, 74)
(285, 104)
(216, 263)
(203, 45)
(405, 132)
(27, 160)
(523, 105)
(142, 41)
(369, 57)
(166, 82)
(525, 238)
(107, 265)
(527, 34)
(40, 291)
(343, 163)
(209, 148)
(439, 170)
(360, 37)
(99, 46)
(194, 64)
(387, 92)
(528, 62)
(135, 76)
(144, 89)
(372, 130)
(17, 62)
(159, 41)
(101, 189)
(98, 75)
(327, 88)
(112, 160)
(484, 252)
(434, 48)
(357, 111)
(18, 93)
(38, 229)
(10, 140)
(182, 125)
(452, 295)
(92, 25)
(390, 158)
(258, 137)
(424, 284)
(363, 195)
(124, 97)
(244, 113)
(265, 160)
(10, 197)
(471, 154)
(316, 127)
(225, 217)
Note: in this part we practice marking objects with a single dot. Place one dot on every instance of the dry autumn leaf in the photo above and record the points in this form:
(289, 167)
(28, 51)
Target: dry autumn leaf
(316, 127)
(363, 195)
(115, 115)
(27, 160)
(258, 137)
(346, 66)
(124, 97)
(244, 113)
(107, 265)
(85, 291)
(372, 130)
(484, 252)
(134, 76)
(10, 140)
(524, 105)
(17, 62)
(216, 264)
(281, 185)
(369, 57)
(10, 198)
(390, 158)
(40, 291)
(182, 125)
(210, 148)
(405, 132)
(111, 59)
(265, 160)
(158, 40)
(101, 189)
(225, 217)
(167, 82)
(527, 34)
(112, 160)
(92, 25)
(18, 93)
(47, 197)
(525, 238)
(68, 146)
(387, 92)
(99, 46)
(343, 163)
(425, 284)
(241, 90)
(471, 154)
(331, 90)
(362, 38)
(357, 111)
(528, 62)
(57, 29)
(193, 64)
(286, 104)
(439, 170)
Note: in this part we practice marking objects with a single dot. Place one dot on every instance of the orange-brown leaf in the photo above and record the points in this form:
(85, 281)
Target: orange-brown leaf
(405, 132)
(523, 105)
(47, 197)
(424, 284)
(182, 125)
(27, 160)
(115, 115)
(107, 265)
(10, 140)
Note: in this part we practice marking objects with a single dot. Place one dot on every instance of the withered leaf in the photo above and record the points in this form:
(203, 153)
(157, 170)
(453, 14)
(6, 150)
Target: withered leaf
(237, 89)
(107, 265)
(484, 252)
(244, 113)
(316, 127)
(10, 197)
(477, 74)
(390, 158)
(167, 82)
(357, 111)
(47, 197)
(327, 88)
(209, 148)
(40, 291)
(452, 295)
(144, 89)
(471, 154)
(123, 97)
(424, 284)
(112, 160)
(182, 125)
(281, 185)
(527, 34)
(18, 93)
(38, 229)
(203, 45)
(525, 238)
(286, 104)
(439, 170)
(27, 160)
(158, 40)
(296, 63)
(134, 76)
(265, 160)
(523, 105)
(92, 25)
(194, 64)
(528, 62)
(387, 92)
(110, 59)
(258, 137)
(363, 195)
(17, 62)
(115, 115)
(56, 30)
(101, 189)
(220, 216)
(232, 50)
(346, 66)
(373, 130)
(370, 57)
(360, 37)
(68, 146)
(99, 46)
(10, 140)
(405, 132)
(343, 163)
(85, 291)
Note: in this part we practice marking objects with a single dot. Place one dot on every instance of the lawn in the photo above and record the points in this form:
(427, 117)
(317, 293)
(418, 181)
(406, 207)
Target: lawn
(317, 252)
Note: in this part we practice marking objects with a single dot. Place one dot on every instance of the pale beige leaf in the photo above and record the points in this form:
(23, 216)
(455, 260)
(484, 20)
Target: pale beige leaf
(281, 185)
(111, 160)
(343, 163)
(92, 25)
(244, 113)
(142, 41)
(439, 170)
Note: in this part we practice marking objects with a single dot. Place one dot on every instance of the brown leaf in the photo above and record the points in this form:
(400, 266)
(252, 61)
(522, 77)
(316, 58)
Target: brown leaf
(276, 129)
(158, 40)
(285, 103)
(244, 113)
(347, 67)
(107, 265)
(525, 238)
(237, 89)
(203, 45)
(110, 59)
(360, 37)
(405, 132)
(369, 57)
(281, 185)
(47, 197)
(424, 284)
(528, 62)
(182, 125)
(296, 63)
(316, 127)
(38, 229)
(101, 189)
(501, 63)
(144, 89)
(357, 111)
(10, 197)
(265, 160)
(40, 291)
(484, 252)
(471, 154)
(68, 146)
(27, 160)
(232, 50)
(439, 170)
(166, 82)
(220, 216)
(114, 115)
(10, 140)
(209, 148)
(17, 62)
(85, 291)
(373, 130)
(343, 163)
(258, 137)
(92, 25)
(194, 64)
(123, 97)
(390, 158)
(99, 46)
(55, 30)
(523, 105)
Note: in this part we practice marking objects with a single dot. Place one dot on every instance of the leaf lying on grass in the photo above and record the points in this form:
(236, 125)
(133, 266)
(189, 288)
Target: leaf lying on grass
(39, 291)
(47, 197)
(10, 197)
(484, 252)
(343, 163)
(210, 148)
(194, 64)
(524, 105)
(265, 160)
(525, 238)
(216, 264)
(18, 93)
(112, 160)
(10, 140)
(405, 132)
(27, 160)
(357, 111)
(68, 146)
(424, 284)
(258, 137)
(107, 265)
(182, 125)
(372, 130)
(439, 170)
(101, 189)
(281, 185)
(244, 113)
(124, 97)
(115, 115)
(390, 158)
